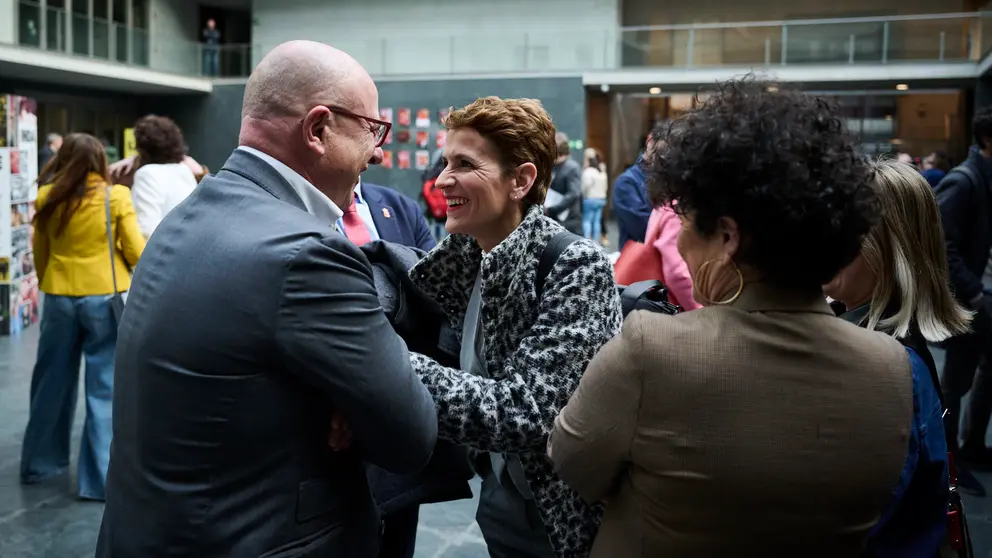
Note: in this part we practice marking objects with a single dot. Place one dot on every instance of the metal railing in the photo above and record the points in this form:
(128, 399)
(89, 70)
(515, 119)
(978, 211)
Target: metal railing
(936, 38)
(931, 38)
(63, 31)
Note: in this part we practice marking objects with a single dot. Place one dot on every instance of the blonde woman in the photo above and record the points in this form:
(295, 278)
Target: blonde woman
(898, 284)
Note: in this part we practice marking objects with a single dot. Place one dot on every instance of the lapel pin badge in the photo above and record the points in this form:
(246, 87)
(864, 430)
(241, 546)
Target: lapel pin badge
(385, 213)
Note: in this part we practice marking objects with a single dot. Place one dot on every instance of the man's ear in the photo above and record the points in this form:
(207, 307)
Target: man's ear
(314, 127)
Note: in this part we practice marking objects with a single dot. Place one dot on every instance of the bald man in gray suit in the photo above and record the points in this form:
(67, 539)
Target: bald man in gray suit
(253, 325)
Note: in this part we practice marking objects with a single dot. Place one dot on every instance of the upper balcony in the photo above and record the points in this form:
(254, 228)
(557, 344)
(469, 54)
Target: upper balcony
(941, 46)
(79, 47)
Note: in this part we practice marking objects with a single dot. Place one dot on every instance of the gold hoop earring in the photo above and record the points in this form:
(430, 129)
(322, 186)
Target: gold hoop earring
(740, 284)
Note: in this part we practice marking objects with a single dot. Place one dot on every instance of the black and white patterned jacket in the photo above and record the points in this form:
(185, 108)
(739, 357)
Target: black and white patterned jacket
(536, 352)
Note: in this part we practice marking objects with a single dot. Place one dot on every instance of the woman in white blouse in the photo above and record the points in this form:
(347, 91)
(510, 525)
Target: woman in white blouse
(163, 181)
(594, 188)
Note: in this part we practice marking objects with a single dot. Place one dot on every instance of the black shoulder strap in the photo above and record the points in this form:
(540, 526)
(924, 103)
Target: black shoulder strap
(969, 173)
(552, 250)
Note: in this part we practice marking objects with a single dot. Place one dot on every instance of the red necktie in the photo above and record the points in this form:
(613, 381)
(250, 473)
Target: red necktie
(354, 227)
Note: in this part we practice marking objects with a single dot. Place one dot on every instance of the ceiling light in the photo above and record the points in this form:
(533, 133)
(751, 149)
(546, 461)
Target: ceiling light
(772, 89)
(902, 87)
(888, 117)
(655, 91)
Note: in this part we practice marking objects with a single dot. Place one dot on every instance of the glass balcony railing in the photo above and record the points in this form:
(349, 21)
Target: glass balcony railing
(929, 38)
(58, 30)
(932, 38)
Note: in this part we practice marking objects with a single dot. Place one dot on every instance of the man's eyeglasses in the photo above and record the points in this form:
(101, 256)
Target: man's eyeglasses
(379, 128)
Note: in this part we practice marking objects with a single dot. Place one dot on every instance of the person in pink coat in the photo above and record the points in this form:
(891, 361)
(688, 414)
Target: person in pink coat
(663, 233)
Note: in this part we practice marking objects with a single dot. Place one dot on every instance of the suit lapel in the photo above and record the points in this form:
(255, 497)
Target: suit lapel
(384, 216)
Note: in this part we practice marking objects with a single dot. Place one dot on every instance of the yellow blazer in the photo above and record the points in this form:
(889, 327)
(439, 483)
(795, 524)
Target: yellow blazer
(77, 262)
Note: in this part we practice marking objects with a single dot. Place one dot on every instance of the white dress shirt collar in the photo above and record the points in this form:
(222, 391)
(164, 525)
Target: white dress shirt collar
(316, 202)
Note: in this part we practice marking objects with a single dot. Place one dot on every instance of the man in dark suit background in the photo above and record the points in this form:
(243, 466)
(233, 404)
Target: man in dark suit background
(386, 214)
(253, 331)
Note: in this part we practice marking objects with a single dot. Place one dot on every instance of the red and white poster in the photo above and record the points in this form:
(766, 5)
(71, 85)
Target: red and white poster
(442, 138)
(423, 139)
(423, 159)
(424, 118)
(403, 117)
(387, 159)
(403, 159)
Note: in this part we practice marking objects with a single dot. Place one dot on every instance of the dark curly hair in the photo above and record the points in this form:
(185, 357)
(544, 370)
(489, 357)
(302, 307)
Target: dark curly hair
(159, 140)
(779, 163)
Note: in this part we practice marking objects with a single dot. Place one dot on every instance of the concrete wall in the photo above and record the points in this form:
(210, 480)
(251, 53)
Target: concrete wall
(402, 37)
(173, 36)
(210, 124)
(8, 21)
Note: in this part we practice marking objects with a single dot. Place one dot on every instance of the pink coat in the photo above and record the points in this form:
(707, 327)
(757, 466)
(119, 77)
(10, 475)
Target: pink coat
(663, 233)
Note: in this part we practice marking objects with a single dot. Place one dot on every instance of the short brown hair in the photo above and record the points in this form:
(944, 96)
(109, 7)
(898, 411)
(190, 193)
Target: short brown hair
(159, 140)
(522, 132)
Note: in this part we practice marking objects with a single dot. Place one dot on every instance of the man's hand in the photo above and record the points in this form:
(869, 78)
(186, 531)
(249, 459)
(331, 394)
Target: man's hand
(339, 438)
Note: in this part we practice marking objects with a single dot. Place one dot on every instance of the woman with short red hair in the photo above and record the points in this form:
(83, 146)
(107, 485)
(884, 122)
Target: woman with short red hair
(524, 343)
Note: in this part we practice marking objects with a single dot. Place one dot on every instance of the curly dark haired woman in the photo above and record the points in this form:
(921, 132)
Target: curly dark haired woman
(742, 428)
(163, 179)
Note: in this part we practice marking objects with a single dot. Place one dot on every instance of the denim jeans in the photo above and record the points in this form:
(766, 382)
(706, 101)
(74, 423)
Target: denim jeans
(71, 327)
(210, 61)
(592, 218)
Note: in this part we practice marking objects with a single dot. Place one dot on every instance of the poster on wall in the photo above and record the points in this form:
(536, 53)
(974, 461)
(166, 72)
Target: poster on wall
(403, 117)
(387, 159)
(386, 114)
(423, 139)
(403, 159)
(5, 141)
(21, 214)
(27, 141)
(423, 158)
(423, 118)
(442, 138)
(5, 186)
(21, 260)
(23, 304)
(18, 192)
(130, 146)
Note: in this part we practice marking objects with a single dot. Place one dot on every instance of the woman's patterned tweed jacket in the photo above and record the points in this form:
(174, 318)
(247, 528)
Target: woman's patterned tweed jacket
(535, 351)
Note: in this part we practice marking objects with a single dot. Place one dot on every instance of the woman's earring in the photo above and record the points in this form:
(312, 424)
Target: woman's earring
(704, 279)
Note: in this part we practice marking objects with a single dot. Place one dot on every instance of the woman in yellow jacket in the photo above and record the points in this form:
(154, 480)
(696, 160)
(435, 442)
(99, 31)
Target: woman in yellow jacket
(72, 257)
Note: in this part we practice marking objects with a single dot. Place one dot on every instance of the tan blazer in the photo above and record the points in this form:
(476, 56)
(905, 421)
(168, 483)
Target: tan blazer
(767, 428)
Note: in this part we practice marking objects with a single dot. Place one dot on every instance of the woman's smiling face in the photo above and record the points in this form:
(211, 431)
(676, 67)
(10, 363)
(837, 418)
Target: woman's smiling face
(479, 191)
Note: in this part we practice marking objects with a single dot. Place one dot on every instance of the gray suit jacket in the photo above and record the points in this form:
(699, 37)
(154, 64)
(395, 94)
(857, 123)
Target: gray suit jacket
(249, 321)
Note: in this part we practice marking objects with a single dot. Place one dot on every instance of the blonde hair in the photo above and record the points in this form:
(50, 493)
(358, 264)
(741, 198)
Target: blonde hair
(906, 252)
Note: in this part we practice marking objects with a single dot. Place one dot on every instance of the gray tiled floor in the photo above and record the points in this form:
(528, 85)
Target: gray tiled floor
(47, 521)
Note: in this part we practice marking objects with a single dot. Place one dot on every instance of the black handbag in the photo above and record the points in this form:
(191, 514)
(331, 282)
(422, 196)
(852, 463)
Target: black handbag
(116, 299)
